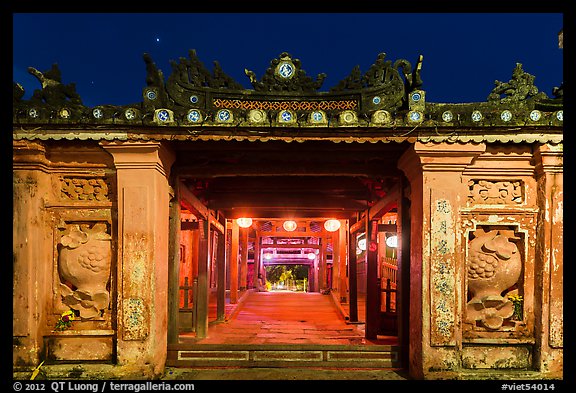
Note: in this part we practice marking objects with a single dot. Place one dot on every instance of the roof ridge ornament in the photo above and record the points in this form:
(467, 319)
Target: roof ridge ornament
(53, 91)
(191, 73)
(520, 88)
(383, 73)
(285, 74)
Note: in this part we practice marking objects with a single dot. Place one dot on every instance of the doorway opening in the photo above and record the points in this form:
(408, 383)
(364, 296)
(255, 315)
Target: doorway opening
(262, 211)
(292, 277)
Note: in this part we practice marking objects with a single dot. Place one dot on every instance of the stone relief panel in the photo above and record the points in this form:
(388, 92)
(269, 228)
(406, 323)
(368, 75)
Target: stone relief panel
(84, 263)
(84, 189)
(495, 192)
(494, 266)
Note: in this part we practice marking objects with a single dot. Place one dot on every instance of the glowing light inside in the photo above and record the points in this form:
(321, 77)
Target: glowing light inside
(311, 255)
(332, 225)
(267, 256)
(290, 225)
(362, 244)
(244, 222)
(392, 241)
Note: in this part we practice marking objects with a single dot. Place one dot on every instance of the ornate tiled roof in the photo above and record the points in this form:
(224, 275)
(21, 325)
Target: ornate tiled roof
(387, 103)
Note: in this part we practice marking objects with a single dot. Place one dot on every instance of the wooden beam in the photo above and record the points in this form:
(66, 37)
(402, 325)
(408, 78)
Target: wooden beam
(283, 212)
(290, 246)
(282, 169)
(291, 234)
(216, 224)
(384, 205)
(357, 227)
(387, 228)
(191, 202)
(285, 201)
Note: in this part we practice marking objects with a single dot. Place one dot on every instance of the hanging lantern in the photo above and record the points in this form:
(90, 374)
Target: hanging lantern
(392, 241)
(362, 244)
(244, 222)
(290, 225)
(311, 256)
(332, 225)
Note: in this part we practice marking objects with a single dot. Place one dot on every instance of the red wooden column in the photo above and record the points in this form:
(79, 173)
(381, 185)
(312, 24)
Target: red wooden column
(352, 276)
(403, 278)
(221, 276)
(257, 262)
(343, 247)
(322, 270)
(372, 287)
(243, 259)
(233, 262)
(335, 291)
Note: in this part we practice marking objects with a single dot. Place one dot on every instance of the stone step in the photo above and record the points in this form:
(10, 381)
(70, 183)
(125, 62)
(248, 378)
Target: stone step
(338, 356)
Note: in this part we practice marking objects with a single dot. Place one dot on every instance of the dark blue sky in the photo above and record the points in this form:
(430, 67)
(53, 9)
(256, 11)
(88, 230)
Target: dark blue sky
(463, 53)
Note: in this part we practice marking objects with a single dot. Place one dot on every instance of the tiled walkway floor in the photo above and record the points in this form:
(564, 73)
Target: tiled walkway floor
(286, 318)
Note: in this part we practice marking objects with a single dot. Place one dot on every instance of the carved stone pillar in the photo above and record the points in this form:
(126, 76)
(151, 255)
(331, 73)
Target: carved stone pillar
(549, 258)
(437, 189)
(32, 248)
(142, 170)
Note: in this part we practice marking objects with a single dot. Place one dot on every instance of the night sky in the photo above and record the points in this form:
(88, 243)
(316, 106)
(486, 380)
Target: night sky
(463, 53)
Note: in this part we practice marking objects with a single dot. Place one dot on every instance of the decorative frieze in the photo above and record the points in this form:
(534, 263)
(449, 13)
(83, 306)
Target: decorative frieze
(325, 105)
(84, 189)
(494, 192)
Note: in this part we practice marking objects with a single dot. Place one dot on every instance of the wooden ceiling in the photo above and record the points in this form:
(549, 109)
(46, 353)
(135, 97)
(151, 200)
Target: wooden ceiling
(276, 179)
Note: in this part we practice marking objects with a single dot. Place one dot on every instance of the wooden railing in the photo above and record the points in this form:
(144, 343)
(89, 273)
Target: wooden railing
(388, 283)
(188, 294)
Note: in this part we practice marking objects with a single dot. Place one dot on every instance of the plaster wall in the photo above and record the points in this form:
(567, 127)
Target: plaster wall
(457, 192)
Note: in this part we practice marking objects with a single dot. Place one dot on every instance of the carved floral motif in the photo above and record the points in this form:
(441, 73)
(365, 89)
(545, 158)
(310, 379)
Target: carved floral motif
(84, 189)
(84, 268)
(493, 266)
(495, 192)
